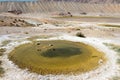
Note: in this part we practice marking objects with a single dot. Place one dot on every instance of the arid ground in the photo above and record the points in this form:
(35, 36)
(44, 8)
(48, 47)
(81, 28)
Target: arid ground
(102, 33)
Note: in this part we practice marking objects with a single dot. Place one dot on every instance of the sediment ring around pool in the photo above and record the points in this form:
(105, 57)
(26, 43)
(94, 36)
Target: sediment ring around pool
(56, 57)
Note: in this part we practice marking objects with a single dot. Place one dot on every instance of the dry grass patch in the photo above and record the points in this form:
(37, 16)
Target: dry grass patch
(2, 50)
(1, 71)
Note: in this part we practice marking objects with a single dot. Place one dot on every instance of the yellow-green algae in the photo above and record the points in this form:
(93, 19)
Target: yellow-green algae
(56, 57)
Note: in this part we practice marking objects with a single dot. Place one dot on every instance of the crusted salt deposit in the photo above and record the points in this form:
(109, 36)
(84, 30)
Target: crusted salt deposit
(104, 72)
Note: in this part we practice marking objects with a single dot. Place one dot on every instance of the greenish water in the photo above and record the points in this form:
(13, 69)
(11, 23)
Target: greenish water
(61, 52)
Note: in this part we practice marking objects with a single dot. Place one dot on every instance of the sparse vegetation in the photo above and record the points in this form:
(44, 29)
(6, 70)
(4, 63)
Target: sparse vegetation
(17, 25)
(1, 21)
(0, 62)
(26, 32)
(115, 78)
(77, 17)
(38, 43)
(45, 22)
(39, 37)
(78, 29)
(83, 13)
(13, 22)
(117, 49)
(1, 53)
(114, 47)
(4, 43)
(1, 71)
(79, 34)
(2, 50)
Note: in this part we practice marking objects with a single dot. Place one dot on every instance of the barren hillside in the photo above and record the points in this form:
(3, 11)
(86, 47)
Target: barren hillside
(74, 6)
(89, 1)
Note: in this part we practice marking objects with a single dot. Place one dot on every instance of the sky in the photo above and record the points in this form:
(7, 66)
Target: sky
(18, 0)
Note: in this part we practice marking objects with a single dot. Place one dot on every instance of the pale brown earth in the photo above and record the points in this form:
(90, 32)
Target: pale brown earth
(92, 19)
(55, 27)
(13, 22)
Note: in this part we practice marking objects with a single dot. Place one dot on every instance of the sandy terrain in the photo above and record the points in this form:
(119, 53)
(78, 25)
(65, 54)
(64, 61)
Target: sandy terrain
(93, 19)
(64, 30)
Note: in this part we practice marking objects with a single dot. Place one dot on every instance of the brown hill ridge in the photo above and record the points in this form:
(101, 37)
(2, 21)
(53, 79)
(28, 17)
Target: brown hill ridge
(89, 1)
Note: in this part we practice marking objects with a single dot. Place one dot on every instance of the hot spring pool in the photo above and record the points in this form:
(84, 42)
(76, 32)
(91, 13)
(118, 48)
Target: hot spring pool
(56, 57)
